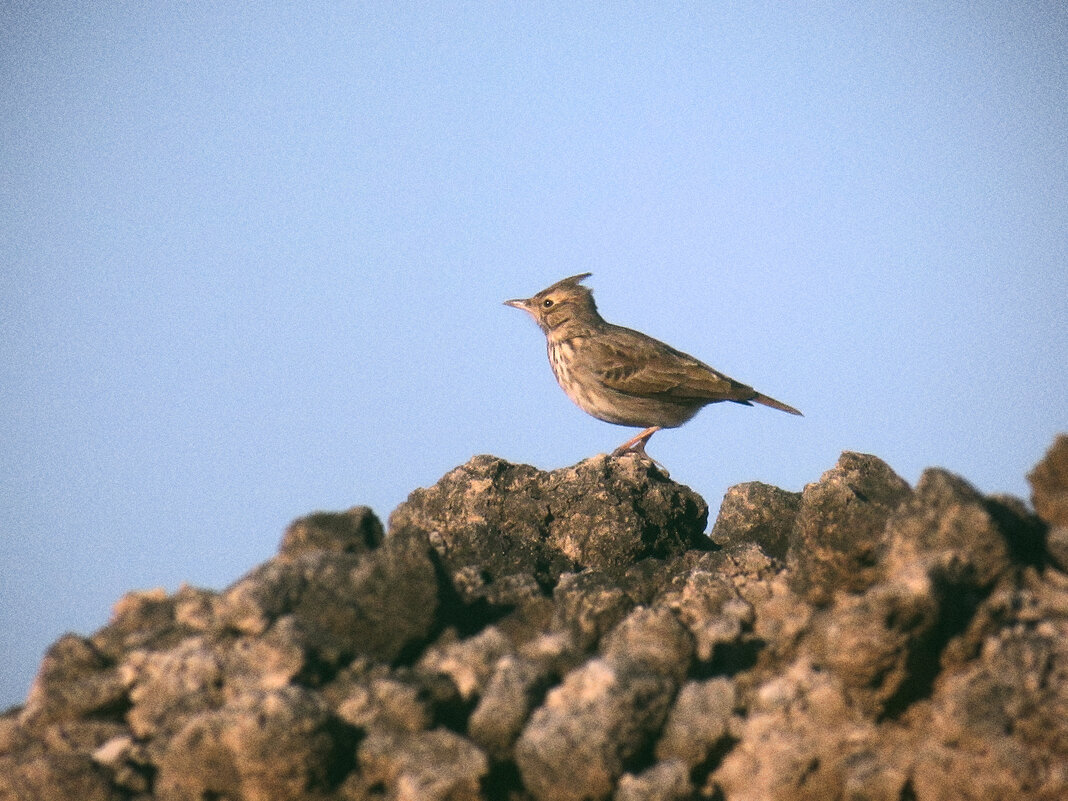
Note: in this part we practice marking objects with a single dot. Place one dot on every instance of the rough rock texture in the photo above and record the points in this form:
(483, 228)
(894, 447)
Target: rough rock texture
(1049, 485)
(523, 635)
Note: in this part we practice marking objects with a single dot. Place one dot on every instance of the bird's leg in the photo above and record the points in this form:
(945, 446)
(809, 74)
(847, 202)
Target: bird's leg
(636, 444)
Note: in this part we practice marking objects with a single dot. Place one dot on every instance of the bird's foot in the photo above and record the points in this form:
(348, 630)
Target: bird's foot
(636, 446)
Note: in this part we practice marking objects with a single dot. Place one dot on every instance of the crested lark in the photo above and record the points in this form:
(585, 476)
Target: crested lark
(622, 376)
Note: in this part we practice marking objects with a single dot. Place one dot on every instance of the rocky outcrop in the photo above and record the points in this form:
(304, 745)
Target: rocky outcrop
(575, 634)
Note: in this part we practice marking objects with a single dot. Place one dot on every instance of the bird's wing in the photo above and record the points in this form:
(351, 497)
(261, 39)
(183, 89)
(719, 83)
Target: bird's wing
(635, 364)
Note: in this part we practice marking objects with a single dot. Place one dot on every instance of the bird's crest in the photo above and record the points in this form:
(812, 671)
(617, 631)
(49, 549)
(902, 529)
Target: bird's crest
(573, 281)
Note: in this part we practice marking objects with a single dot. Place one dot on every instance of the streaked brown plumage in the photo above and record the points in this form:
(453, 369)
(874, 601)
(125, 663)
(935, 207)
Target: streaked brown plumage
(622, 376)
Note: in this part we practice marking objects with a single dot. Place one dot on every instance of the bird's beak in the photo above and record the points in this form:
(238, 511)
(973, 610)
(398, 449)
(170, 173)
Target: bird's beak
(519, 303)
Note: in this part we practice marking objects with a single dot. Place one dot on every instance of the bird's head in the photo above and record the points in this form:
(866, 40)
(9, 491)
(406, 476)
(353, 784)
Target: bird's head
(565, 306)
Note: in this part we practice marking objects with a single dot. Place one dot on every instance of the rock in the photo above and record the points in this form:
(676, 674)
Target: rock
(558, 636)
(354, 531)
(871, 642)
(1049, 484)
(759, 513)
(588, 605)
(142, 620)
(665, 781)
(946, 526)
(386, 703)
(838, 536)
(795, 742)
(517, 686)
(578, 743)
(1057, 547)
(999, 727)
(425, 766)
(502, 519)
(271, 746)
(709, 606)
(469, 662)
(55, 777)
(698, 723)
(166, 686)
(1049, 494)
(374, 604)
(650, 641)
(75, 681)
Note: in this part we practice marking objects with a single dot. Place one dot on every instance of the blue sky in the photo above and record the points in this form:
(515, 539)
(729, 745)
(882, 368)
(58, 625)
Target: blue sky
(252, 257)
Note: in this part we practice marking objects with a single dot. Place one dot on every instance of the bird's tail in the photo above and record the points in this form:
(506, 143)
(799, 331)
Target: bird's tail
(774, 404)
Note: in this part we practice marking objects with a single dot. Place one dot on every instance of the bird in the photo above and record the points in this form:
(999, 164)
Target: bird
(623, 376)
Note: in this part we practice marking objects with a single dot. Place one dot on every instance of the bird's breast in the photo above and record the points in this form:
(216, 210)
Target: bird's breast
(562, 359)
(584, 387)
(568, 372)
(576, 380)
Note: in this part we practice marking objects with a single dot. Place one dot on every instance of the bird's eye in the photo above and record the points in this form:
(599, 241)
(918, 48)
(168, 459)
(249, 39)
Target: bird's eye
(547, 303)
